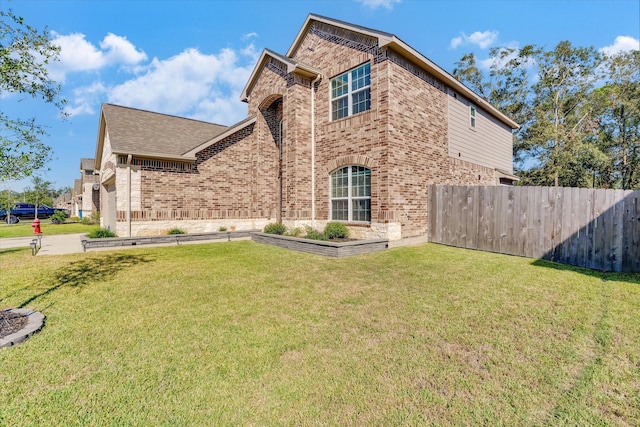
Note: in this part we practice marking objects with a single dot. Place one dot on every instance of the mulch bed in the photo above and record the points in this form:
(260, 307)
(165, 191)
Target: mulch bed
(10, 323)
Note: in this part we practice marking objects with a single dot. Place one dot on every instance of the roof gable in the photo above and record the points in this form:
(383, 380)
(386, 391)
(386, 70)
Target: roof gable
(292, 65)
(145, 133)
(390, 41)
(87, 164)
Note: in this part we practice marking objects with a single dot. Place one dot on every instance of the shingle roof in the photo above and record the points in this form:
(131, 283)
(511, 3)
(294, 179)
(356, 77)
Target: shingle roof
(87, 164)
(133, 131)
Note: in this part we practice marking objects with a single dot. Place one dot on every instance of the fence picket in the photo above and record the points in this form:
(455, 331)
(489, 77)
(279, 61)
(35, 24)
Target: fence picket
(593, 228)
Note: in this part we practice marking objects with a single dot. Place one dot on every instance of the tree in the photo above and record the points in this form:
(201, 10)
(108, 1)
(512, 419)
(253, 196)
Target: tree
(42, 192)
(551, 108)
(617, 112)
(24, 55)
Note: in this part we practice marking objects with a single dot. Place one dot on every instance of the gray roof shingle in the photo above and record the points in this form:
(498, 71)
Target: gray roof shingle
(134, 131)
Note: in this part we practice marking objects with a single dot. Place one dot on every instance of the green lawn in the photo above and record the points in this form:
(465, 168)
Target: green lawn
(246, 334)
(24, 229)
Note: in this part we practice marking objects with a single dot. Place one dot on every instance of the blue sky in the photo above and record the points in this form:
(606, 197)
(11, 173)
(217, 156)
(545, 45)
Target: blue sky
(193, 58)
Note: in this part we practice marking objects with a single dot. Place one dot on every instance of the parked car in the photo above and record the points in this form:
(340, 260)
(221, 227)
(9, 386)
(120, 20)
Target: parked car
(28, 211)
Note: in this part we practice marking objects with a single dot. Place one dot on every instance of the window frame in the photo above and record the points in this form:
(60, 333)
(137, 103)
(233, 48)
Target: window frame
(350, 197)
(473, 116)
(350, 92)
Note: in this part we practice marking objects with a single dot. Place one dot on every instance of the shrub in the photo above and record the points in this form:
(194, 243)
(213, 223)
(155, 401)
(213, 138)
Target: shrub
(312, 234)
(101, 233)
(223, 228)
(294, 232)
(176, 230)
(275, 228)
(58, 217)
(336, 230)
(73, 219)
(94, 218)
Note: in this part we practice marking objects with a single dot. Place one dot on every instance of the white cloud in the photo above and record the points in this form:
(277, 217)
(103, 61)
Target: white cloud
(621, 44)
(85, 98)
(500, 62)
(191, 84)
(119, 50)
(78, 54)
(483, 39)
(249, 35)
(375, 4)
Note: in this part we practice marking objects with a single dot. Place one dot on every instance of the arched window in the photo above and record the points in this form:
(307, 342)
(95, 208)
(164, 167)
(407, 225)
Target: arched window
(351, 194)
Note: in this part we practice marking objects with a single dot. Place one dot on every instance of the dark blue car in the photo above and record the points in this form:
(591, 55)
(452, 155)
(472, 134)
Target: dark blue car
(26, 211)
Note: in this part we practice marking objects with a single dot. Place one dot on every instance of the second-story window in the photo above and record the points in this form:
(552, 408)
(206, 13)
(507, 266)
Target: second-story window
(472, 116)
(351, 92)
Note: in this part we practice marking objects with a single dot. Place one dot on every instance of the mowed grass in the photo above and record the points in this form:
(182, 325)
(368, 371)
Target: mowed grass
(247, 334)
(24, 229)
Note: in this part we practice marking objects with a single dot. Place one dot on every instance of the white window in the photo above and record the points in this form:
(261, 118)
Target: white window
(472, 116)
(351, 194)
(351, 92)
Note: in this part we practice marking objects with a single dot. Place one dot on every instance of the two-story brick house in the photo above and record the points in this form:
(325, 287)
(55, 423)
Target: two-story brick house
(351, 124)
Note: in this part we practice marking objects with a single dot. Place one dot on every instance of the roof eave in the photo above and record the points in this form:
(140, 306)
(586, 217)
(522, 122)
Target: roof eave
(292, 67)
(394, 43)
(410, 53)
(230, 131)
(157, 156)
(381, 36)
(100, 142)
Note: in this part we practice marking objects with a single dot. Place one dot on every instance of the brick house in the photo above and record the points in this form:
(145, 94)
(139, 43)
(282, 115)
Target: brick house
(351, 124)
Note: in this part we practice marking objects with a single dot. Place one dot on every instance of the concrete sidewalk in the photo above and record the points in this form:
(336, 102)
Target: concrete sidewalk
(61, 244)
(58, 244)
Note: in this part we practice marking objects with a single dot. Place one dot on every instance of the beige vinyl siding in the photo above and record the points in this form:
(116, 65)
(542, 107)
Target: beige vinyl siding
(489, 144)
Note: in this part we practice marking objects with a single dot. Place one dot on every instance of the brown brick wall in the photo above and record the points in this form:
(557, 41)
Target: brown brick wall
(402, 139)
(221, 184)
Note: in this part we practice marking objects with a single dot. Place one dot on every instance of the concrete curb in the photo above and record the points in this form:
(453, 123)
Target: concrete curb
(35, 323)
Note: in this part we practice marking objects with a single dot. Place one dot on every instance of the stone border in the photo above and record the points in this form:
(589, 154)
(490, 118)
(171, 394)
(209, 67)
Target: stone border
(320, 247)
(176, 239)
(34, 324)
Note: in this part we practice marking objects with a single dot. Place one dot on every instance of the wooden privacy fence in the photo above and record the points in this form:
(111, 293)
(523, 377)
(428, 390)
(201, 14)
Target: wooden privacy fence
(593, 228)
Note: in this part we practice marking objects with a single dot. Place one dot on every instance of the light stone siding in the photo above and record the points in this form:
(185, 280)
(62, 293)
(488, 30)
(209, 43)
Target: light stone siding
(122, 188)
(376, 230)
(158, 228)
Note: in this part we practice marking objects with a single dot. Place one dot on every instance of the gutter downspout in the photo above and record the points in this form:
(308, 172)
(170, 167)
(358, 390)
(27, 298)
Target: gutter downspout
(129, 195)
(313, 150)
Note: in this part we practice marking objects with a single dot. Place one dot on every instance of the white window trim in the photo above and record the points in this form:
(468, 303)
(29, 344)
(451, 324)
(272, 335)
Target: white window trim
(349, 94)
(349, 197)
(473, 116)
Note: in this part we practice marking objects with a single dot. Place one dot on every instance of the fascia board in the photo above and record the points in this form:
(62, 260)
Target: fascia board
(410, 53)
(230, 131)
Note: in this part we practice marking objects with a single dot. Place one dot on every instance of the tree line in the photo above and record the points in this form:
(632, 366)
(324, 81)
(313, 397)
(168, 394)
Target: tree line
(578, 110)
(41, 192)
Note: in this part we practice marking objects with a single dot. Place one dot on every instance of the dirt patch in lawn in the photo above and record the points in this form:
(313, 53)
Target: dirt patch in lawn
(10, 322)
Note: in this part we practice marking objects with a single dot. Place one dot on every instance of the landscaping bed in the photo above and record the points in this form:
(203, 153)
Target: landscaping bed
(109, 242)
(339, 249)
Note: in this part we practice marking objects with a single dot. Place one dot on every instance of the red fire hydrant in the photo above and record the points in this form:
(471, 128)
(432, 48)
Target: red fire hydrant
(36, 226)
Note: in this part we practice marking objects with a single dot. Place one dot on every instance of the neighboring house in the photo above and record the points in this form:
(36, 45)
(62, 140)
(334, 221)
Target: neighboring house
(351, 125)
(90, 188)
(64, 201)
(76, 198)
